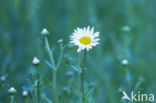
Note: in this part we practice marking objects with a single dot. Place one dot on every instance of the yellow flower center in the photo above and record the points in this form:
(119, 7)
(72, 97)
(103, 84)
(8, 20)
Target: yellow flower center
(85, 40)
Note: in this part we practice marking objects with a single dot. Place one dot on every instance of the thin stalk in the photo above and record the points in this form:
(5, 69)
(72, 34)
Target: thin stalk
(126, 45)
(38, 91)
(11, 99)
(54, 86)
(82, 77)
(25, 100)
(50, 53)
(79, 78)
(60, 57)
(82, 86)
(38, 85)
(54, 66)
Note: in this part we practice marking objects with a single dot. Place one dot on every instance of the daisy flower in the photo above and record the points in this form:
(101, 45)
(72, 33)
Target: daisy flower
(84, 38)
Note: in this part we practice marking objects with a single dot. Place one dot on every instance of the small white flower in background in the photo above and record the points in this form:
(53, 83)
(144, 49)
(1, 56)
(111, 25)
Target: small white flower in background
(44, 32)
(126, 28)
(124, 62)
(36, 61)
(25, 93)
(12, 90)
(3, 78)
(84, 38)
(60, 41)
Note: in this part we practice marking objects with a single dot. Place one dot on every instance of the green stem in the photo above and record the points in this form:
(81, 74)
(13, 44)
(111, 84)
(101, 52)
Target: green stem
(11, 99)
(79, 78)
(54, 86)
(125, 45)
(82, 77)
(38, 91)
(25, 100)
(61, 55)
(82, 86)
(38, 84)
(50, 53)
(54, 66)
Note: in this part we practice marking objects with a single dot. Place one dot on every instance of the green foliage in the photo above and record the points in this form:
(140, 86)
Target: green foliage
(21, 22)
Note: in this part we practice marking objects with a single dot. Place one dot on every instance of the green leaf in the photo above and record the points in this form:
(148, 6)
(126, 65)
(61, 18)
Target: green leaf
(61, 55)
(47, 81)
(90, 89)
(49, 64)
(78, 69)
(48, 100)
(89, 92)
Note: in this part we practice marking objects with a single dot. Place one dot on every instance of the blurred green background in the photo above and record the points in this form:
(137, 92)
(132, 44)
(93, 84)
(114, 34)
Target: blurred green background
(21, 22)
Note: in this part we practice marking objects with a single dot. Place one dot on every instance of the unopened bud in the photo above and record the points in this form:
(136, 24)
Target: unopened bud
(44, 32)
(36, 61)
(126, 28)
(25, 93)
(3, 78)
(124, 62)
(60, 41)
(12, 91)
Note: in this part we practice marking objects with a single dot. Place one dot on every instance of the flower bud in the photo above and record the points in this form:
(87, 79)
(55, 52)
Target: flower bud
(25, 93)
(126, 28)
(44, 32)
(3, 78)
(12, 91)
(36, 61)
(60, 41)
(124, 62)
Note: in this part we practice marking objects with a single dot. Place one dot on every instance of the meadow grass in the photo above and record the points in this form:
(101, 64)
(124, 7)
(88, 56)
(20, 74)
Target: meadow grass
(124, 59)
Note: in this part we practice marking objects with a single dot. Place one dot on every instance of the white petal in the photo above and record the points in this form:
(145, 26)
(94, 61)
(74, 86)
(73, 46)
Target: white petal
(79, 49)
(88, 29)
(96, 34)
(92, 30)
